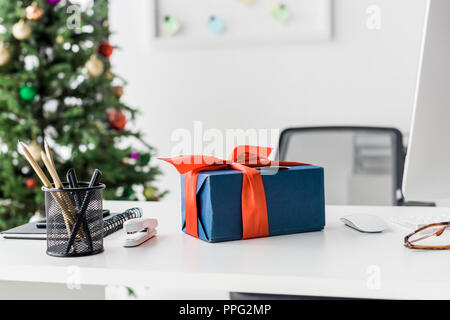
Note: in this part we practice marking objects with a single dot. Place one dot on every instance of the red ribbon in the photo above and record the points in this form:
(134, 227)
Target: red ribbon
(254, 208)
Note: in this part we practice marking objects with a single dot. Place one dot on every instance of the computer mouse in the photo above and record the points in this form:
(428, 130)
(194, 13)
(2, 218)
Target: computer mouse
(365, 222)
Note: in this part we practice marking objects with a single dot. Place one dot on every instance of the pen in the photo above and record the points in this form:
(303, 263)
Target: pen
(73, 183)
(95, 180)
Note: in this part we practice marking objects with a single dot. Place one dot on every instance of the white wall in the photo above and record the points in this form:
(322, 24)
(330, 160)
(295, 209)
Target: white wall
(359, 77)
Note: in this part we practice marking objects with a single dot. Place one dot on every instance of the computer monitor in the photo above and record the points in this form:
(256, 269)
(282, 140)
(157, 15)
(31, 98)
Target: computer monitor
(427, 168)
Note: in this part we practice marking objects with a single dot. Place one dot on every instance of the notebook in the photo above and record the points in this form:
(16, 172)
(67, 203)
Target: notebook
(116, 222)
(26, 231)
(111, 225)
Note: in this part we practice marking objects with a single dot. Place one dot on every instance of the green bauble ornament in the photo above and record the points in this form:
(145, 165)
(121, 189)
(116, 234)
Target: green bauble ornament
(280, 13)
(27, 93)
(144, 159)
(171, 25)
(127, 192)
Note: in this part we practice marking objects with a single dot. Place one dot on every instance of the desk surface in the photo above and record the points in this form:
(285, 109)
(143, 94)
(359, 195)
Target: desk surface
(336, 262)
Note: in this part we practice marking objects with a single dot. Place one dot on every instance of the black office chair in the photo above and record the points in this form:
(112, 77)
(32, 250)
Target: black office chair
(363, 165)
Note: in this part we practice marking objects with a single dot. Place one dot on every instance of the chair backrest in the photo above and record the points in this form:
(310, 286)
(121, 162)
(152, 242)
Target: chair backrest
(363, 165)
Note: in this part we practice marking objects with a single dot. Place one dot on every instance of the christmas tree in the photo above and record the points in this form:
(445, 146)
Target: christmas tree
(56, 84)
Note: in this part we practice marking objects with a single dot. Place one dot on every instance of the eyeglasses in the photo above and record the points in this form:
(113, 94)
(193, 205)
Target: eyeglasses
(441, 226)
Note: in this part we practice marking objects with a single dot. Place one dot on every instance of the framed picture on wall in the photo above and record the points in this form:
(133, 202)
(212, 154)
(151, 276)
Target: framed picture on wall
(212, 22)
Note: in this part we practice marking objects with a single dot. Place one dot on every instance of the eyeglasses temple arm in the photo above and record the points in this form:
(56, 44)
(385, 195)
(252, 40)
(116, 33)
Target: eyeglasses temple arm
(437, 233)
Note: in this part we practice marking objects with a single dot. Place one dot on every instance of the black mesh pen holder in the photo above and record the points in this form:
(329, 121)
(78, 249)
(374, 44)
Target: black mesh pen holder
(74, 220)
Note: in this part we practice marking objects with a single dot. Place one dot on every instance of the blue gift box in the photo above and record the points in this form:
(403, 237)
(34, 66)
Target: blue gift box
(294, 197)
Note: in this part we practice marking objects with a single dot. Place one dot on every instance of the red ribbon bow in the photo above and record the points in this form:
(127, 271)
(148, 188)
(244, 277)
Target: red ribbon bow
(254, 208)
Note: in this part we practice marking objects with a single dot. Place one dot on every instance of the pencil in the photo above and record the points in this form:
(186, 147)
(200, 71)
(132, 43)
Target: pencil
(35, 166)
(52, 171)
(67, 219)
(68, 209)
(47, 158)
(48, 151)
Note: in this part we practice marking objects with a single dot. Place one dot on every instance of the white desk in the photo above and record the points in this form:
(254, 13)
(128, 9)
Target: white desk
(336, 262)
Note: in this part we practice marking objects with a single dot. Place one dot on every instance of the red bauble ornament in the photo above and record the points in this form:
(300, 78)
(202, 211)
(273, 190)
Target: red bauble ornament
(31, 183)
(106, 49)
(117, 119)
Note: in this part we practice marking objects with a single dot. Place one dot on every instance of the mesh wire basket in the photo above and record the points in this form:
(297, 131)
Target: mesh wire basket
(74, 220)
